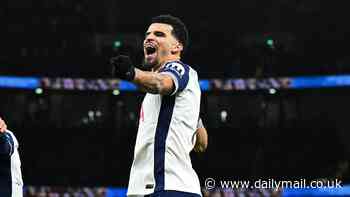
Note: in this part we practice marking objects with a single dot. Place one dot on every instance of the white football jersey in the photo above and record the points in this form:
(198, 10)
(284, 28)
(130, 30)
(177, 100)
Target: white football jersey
(11, 182)
(164, 141)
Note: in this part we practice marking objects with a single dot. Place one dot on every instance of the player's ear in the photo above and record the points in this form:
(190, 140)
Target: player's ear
(177, 48)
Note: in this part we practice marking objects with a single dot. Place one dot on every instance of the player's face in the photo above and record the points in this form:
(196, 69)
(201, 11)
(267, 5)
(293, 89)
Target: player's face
(159, 44)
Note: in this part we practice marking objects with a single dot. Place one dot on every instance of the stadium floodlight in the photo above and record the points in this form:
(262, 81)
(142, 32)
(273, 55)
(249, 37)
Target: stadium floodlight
(117, 44)
(38, 91)
(272, 91)
(116, 92)
(270, 42)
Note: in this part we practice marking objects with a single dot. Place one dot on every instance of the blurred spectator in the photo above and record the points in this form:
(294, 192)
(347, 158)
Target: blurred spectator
(46, 191)
(241, 192)
(228, 193)
(215, 193)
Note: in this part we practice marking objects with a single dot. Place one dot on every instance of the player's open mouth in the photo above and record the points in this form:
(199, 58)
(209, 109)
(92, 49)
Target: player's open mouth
(150, 50)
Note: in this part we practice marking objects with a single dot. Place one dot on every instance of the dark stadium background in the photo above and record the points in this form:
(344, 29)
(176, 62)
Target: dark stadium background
(77, 138)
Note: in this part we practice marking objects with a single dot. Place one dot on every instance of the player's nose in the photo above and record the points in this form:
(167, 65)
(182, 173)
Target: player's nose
(149, 40)
(149, 37)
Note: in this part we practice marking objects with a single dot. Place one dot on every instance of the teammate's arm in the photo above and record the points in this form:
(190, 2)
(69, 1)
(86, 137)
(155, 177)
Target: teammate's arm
(202, 138)
(155, 83)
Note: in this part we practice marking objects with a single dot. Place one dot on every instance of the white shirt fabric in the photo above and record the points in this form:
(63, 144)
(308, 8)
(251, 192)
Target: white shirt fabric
(165, 136)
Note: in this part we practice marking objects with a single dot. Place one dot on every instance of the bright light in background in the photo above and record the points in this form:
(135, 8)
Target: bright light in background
(116, 92)
(91, 113)
(272, 91)
(85, 120)
(223, 116)
(117, 44)
(270, 42)
(38, 91)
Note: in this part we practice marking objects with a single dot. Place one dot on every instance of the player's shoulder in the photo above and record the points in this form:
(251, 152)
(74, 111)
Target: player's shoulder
(12, 136)
(176, 66)
(10, 133)
(180, 67)
(6, 134)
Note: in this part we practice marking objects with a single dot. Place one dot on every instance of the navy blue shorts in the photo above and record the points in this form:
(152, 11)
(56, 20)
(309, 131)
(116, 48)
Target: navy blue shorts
(169, 193)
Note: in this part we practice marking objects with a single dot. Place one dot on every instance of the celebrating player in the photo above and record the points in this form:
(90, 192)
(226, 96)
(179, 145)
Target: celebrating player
(169, 113)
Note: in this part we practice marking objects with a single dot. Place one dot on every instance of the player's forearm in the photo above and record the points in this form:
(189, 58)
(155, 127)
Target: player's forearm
(202, 140)
(151, 82)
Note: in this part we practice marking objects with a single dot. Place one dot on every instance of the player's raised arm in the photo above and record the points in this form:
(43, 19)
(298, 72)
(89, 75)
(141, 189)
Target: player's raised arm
(170, 79)
(152, 82)
(155, 83)
(162, 46)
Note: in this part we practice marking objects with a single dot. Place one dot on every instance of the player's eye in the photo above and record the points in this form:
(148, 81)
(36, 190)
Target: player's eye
(159, 34)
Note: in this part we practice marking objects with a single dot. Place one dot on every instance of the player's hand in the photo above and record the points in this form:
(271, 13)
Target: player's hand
(3, 126)
(122, 67)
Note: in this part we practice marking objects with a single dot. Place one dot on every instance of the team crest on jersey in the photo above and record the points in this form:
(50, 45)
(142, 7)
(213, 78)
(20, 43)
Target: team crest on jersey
(177, 67)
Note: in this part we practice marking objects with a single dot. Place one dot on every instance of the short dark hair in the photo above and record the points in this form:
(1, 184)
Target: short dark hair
(179, 28)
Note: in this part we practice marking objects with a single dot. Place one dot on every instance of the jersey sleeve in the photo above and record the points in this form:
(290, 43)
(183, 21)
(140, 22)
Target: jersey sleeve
(6, 144)
(200, 123)
(179, 72)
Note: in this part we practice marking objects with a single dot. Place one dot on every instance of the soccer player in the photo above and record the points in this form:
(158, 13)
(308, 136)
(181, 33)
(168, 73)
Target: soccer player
(11, 182)
(169, 113)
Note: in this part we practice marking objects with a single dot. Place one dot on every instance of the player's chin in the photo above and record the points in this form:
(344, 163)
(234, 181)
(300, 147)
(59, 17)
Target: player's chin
(148, 65)
(150, 60)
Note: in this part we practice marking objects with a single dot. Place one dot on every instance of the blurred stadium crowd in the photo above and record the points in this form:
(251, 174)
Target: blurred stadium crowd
(47, 191)
(242, 193)
(296, 134)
